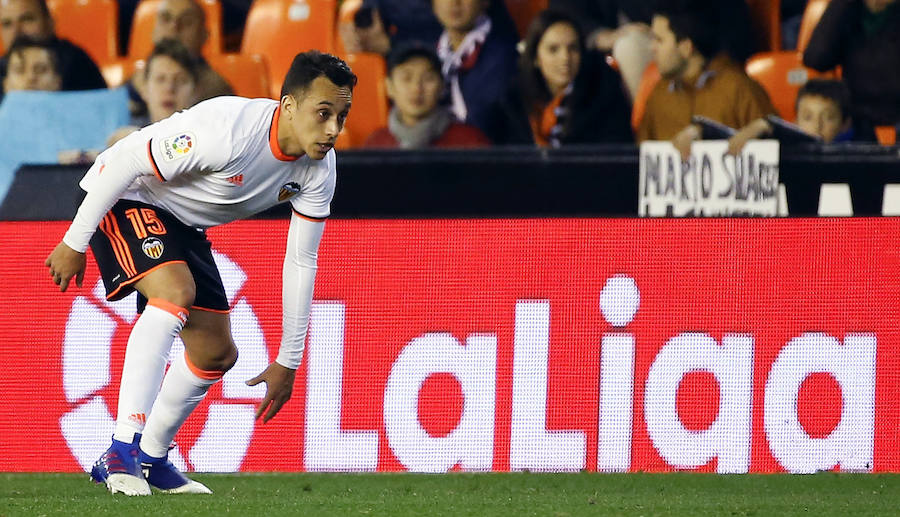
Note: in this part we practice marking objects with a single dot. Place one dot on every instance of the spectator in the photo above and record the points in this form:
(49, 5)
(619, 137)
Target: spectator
(185, 21)
(416, 121)
(564, 93)
(170, 85)
(619, 28)
(823, 111)
(861, 36)
(477, 60)
(380, 24)
(33, 65)
(32, 18)
(698, 78)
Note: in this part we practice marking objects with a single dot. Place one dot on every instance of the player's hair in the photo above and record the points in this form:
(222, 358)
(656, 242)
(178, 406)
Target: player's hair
(176, 51)
(831, 89)
(534, 87)
(309, 65)
(23, 42)
(694, 20)
(403, 52)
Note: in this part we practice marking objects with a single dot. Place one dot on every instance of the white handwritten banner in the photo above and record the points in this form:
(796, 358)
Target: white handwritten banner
(711, 183)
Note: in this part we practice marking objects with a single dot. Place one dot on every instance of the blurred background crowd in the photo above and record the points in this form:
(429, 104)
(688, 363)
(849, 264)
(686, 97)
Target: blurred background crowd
(79, 74)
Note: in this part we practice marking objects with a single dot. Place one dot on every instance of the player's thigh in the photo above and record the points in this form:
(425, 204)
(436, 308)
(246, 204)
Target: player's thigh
(208, 342)
(172, 282)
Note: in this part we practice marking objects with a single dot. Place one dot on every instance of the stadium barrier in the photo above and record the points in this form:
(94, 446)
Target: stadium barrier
(543, 344)
(597, 181)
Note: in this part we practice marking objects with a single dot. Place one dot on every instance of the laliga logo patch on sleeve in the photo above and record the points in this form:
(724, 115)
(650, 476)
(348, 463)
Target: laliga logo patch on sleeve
(178, 146)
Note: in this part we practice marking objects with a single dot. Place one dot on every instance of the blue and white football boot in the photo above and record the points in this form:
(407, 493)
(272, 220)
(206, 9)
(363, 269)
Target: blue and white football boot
(165, 477)
(120, 469)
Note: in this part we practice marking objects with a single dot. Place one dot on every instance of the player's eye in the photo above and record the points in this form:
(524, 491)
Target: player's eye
(324, 114)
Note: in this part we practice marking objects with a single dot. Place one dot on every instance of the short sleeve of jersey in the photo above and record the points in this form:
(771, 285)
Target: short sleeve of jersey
(314, 200)
(198, 139)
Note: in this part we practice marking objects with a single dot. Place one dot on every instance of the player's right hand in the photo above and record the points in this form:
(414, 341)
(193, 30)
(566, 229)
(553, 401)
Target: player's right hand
(64, 263)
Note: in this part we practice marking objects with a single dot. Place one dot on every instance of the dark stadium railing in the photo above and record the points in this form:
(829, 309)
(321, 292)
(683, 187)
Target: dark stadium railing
(504, 182)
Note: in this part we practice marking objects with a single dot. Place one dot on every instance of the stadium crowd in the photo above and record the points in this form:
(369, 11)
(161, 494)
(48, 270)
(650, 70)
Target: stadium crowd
(469, 73)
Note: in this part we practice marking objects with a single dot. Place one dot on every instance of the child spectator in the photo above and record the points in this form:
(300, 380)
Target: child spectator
(565, 94)
(823, 111)
(416, 121)
(33, 65)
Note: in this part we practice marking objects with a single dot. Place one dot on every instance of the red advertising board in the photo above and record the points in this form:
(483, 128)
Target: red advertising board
(722, 345)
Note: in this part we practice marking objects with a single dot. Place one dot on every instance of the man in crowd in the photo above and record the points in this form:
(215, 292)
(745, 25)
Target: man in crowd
(698, 78)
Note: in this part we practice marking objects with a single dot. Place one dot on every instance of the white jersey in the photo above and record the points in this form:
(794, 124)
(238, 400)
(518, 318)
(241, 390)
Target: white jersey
(214, 163)
(220, 161)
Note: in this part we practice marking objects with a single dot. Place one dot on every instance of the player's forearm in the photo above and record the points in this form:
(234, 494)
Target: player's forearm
(299, 276)
(111, 180)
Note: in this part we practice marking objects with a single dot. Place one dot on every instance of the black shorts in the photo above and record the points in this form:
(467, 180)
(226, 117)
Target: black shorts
(135, 238)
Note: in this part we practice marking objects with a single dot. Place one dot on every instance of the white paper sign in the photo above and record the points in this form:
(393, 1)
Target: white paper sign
(711, 183)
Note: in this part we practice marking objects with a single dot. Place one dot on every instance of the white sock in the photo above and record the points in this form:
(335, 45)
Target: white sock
(145, 362)
(183, 388)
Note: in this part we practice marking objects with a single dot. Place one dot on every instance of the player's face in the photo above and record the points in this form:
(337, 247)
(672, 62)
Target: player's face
(415, 87)
(458, 15)
(820, 116)
(31, 69)
(315, 117)
(18, 17)
(558, 55)
(169, 88)
(181, 20)
(667, 51)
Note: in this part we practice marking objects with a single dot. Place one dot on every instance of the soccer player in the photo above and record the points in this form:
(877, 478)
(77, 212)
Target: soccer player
(152, 195)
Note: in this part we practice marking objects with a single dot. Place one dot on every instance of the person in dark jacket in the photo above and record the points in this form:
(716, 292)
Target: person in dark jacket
(477, 57)
(32, 18)
(861, 36)
(564, 93)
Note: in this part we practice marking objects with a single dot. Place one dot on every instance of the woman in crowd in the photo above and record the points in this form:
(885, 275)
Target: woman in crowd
(565, 94)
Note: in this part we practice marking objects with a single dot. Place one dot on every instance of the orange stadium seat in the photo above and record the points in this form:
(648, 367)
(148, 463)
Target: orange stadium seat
(140, 41)
(370, 102)
(246, 73)
(648, 81)
(91, 24)
(811, 16)
(782, 74)
(280, 29)
(886, 135)
(523, 11)
(766, 16)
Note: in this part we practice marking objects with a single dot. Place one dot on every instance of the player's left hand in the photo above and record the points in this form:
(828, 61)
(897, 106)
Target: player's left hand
(279, 386)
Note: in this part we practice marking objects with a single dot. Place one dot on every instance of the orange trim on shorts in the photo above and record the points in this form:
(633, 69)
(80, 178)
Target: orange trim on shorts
(273, 139)
(210, 375)
(130, 281)
(179, 312)
(308, 218)
(206, 309)
(153, 162)
(118, 244)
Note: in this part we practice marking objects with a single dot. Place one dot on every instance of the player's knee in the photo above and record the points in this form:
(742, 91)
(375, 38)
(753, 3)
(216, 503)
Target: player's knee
(223, 360)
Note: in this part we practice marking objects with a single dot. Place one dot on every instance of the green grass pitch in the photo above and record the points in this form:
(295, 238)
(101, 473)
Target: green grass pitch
(458, 494)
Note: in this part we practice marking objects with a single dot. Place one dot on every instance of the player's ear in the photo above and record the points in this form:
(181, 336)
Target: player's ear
(288, 105)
